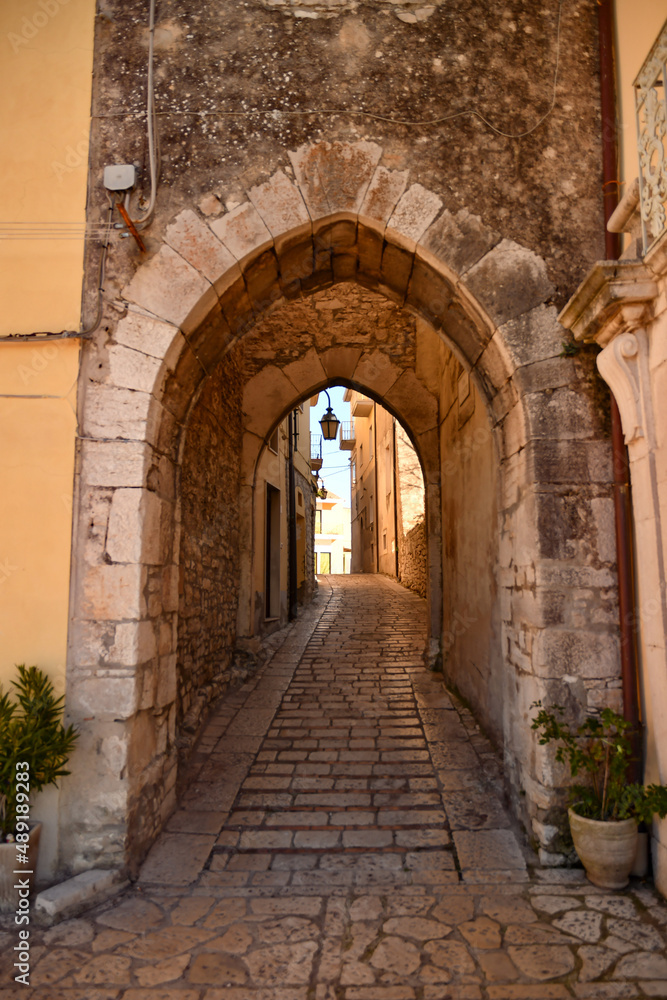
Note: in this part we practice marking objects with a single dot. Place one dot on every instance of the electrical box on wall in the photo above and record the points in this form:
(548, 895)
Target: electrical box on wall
(119, 176)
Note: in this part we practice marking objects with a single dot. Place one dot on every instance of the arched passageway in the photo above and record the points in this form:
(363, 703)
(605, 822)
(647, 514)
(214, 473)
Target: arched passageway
(226, 328)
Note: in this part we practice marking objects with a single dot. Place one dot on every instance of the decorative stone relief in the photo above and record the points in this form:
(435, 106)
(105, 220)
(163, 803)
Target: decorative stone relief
(651, 111)
(620, 366)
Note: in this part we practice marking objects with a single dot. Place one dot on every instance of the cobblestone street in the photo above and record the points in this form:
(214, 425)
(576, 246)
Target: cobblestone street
(343, 837)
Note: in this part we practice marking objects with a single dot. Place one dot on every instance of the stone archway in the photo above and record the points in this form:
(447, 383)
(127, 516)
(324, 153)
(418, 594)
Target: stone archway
(344, 218)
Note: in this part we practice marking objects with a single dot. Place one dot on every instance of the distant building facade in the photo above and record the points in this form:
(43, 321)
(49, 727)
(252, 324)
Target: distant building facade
(387, 489)
(332, 535)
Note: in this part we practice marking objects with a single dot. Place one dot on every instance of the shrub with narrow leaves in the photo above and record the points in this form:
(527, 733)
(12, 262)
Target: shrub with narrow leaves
(31, 730)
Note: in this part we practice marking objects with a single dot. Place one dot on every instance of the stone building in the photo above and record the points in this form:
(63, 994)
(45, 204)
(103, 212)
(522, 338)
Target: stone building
(333, 544)
(397, 197)
(387, 488)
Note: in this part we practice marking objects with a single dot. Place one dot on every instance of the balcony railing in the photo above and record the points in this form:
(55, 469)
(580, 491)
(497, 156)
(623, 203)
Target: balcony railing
(316, 452)
(347, 439)
(651, 111)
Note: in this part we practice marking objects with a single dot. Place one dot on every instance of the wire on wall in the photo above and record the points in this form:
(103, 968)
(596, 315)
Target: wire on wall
(332, 112)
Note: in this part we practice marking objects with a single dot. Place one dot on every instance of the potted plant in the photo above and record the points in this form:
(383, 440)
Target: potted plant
(606, 809)
(34, 748)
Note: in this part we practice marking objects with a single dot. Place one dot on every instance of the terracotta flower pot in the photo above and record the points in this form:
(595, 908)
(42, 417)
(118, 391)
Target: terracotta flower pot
(607, 849)
(9, 897)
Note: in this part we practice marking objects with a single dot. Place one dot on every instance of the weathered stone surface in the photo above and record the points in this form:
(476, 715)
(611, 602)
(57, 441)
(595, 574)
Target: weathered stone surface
(114, 463)
(493, 849)
(290, 964)
(163, 972)
(131, 915)
(617, 906)
(177, 858)
(167, 286)
(642, 965)
(416, 927)
(120, 413)
(194, 241)
(451, 956)
(508, 281)
(211, 969)
(542, 962)
(334, 177)
(383, 194)
(642, 936)
(242, 231)
(596, 961)
(587, 926)
(280, 204)
(459, 240)
(149, 335)
(481, 933)
(396, 955)
(414, 213)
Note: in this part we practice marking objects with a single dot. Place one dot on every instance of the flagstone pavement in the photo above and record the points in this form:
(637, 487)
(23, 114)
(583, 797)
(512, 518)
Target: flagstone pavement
(343, 837)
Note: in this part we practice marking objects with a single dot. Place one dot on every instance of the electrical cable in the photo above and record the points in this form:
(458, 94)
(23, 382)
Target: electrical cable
(276, 112)
(151, 121)
(71, 334)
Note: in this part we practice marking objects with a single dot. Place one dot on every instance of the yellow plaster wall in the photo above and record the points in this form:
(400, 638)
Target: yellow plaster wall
(638, 23)
(38, 421)
(46, 57)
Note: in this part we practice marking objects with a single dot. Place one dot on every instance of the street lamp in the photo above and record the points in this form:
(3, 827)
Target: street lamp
(322, 492)
(329, 422)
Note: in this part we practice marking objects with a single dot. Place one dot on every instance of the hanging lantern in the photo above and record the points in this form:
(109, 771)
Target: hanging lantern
(329, 422)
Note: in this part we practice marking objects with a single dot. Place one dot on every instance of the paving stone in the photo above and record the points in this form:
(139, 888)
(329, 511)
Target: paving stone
(417, 928)
(595, 961)
(314, 894)
(289, 964)
(520, 991)
(454, 910)
(542, 961)
(655, 988)
(422, 838)
(105, 970)
(641, 935)
(617, 906)
(70, 934)
(212, 968)
(642, 965)
(393, 954)
(189, 910)
(450, 955)
(162, 972)
(581, 924)
(177, 858)
(134, 914)
(317, 839)
(508, 909)
(497, 966)
(551, 904)
(488, 849)
(481, 933)
(366, 908)
(107, 940)
(166, 942)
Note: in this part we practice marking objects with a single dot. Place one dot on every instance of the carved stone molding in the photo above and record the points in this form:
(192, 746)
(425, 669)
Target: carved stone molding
(615, 297)
(621, 365)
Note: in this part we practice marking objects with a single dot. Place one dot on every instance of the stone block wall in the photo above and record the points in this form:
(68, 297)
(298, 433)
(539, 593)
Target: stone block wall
(209, 556)
(412, 562)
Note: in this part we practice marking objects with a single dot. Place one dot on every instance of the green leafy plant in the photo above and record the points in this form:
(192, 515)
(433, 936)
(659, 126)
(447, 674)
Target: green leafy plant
(31, 731)
(600, 749)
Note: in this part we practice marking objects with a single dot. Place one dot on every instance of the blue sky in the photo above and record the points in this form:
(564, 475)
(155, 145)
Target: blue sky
(336, 463)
